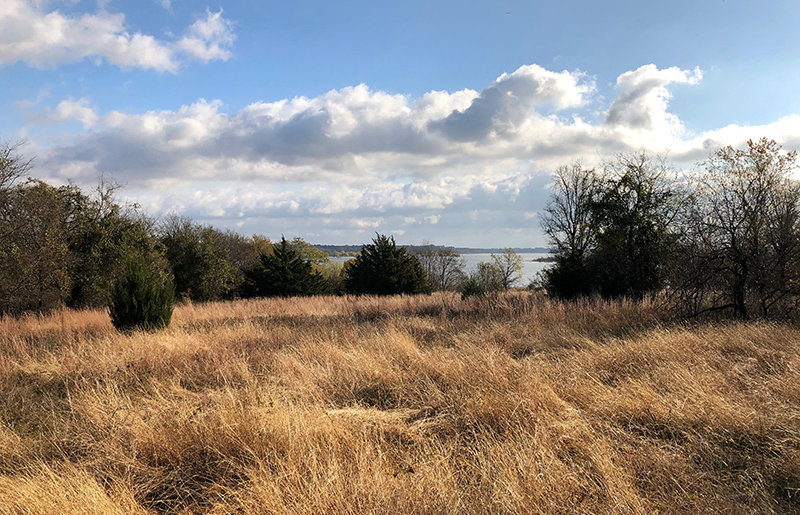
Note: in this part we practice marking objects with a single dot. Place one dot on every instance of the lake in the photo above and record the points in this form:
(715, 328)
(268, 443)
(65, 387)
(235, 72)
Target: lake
(529, 267)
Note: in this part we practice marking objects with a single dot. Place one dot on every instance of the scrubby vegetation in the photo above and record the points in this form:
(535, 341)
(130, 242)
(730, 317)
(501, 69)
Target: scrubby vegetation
(487, 401)
(724, 239)
(514, 403)
(142, 299)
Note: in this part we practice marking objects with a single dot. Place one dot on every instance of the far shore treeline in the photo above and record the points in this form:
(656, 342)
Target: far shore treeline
(722, 239)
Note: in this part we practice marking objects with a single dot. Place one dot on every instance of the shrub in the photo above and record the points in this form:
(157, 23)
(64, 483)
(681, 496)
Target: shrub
(142, 298)
(472, 287)
(486, 278)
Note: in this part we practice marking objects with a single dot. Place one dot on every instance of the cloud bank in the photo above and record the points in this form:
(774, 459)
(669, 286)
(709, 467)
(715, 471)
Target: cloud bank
(43, 39)
(353, 160)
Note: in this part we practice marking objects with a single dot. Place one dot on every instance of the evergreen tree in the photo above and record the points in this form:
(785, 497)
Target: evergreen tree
(142, 298)
(283, 273)
(383, 268)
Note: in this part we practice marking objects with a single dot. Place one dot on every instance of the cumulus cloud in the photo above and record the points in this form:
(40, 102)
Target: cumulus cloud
(348, 213)
(443, 162)
(644, 97)
(80, 110)
(502, 106)
(47, 39)
(209, 39)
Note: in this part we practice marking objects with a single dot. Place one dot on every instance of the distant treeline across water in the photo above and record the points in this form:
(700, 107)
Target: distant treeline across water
(339, 250)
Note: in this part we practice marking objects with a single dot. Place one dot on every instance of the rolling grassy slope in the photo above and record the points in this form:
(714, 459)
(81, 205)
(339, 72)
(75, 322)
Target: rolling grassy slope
(414, 405)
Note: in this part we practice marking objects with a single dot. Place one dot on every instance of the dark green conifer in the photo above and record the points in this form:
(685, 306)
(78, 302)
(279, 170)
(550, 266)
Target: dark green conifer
(283, 273)
(142, 298)
(383, 268)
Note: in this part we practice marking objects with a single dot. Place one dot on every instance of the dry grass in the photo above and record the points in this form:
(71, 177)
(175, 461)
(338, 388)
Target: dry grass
(400, 405)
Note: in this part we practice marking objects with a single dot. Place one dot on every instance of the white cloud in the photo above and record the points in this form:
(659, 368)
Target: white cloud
(47, 39)
(79, 110)
(355, 135)
(355, 159)
(502, 106)
(644, 97)
(209, 39)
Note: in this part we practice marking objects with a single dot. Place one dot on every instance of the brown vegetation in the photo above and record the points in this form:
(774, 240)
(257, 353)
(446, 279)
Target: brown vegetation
(428, 404)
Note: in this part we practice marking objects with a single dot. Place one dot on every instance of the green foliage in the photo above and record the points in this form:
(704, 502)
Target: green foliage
(383, 268)
(34, 250)
(509, 266)
(142, 298)
(284, 273)
(486, 278)
(309, 252)
(614, 234)
(104, 237)
(472, 286)
(568, 277)
(632, 214)
(201, 264)
(334, 276)
(59, 246)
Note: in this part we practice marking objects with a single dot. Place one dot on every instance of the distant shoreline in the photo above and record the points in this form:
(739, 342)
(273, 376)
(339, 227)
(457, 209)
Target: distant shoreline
(345, 250)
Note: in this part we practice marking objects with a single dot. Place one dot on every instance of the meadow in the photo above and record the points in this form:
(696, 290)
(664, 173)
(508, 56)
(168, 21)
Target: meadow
(400, 405)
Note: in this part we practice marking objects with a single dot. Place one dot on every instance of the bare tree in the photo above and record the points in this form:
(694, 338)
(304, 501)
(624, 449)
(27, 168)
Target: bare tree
(567, 222)
(743, 242)
(12, 164)
(509, 265)
(567, 217)
(444, 266)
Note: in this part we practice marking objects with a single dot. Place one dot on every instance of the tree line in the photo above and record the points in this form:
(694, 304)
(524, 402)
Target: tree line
(62, 246)
(723, 238)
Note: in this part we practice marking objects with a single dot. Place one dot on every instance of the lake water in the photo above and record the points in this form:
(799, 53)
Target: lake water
(529, 267)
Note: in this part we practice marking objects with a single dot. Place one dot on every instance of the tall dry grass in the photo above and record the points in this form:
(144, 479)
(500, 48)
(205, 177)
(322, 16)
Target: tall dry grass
(429, 404)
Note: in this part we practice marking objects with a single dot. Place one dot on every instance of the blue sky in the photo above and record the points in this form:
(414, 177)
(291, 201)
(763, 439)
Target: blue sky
(426, 120)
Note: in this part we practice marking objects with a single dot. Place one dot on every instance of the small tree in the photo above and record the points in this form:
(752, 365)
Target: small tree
(486, 278)
(142, 298)
(383, 268)
(200, 262)
(443, 266)
(283, 273)
(509, 264)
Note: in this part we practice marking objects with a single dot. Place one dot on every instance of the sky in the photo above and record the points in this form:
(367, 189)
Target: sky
(427, 120)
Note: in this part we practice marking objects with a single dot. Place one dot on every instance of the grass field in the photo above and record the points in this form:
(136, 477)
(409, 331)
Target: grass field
(401, 405)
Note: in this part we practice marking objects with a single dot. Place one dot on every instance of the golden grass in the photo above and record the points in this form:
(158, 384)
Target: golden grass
(413, 405)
